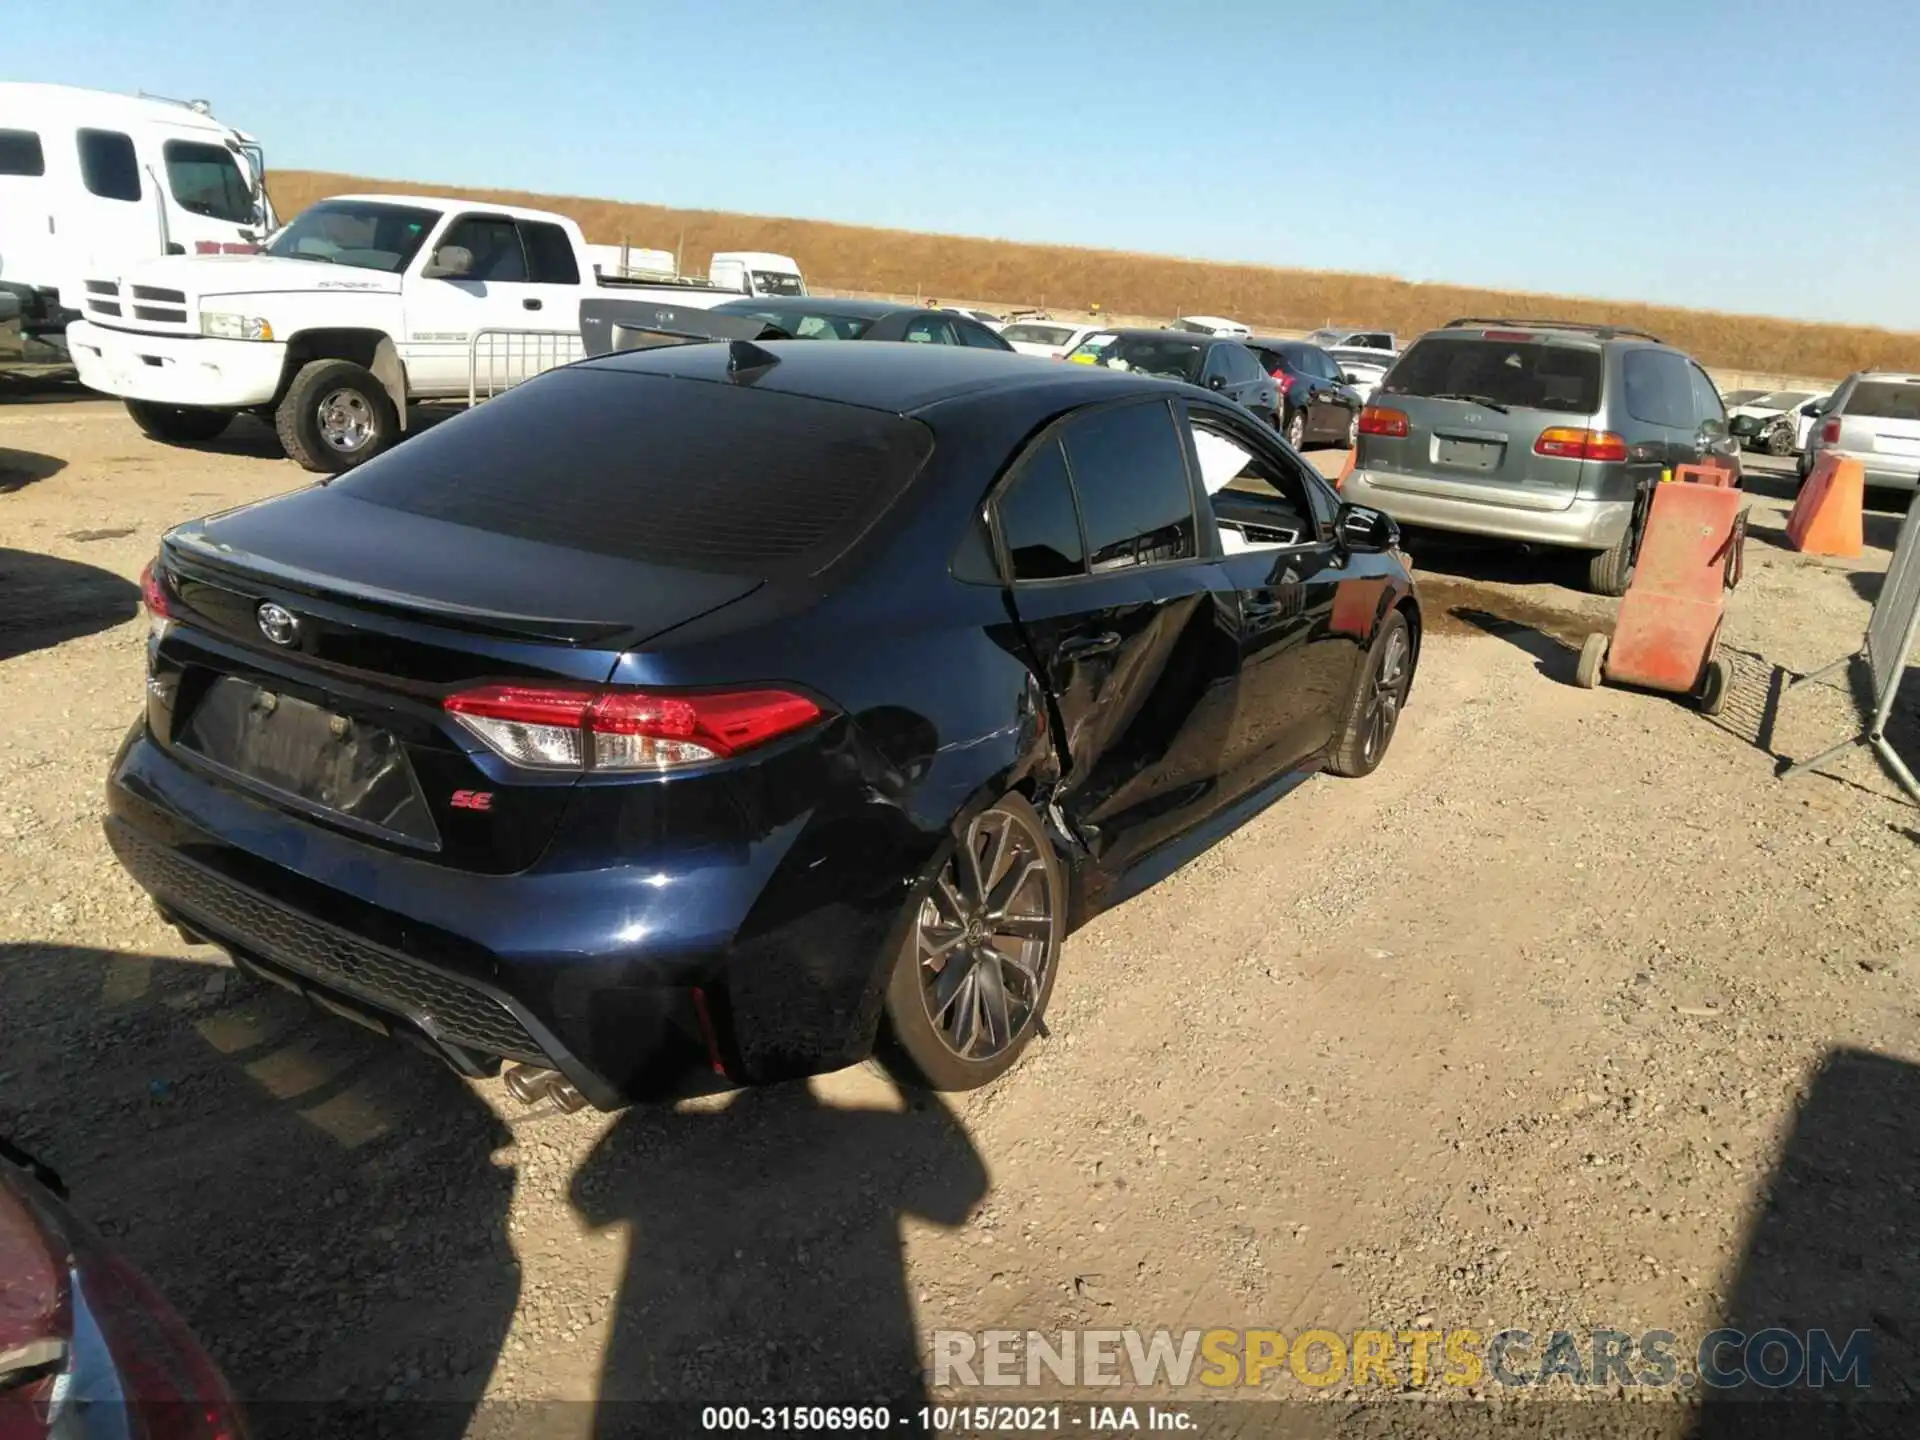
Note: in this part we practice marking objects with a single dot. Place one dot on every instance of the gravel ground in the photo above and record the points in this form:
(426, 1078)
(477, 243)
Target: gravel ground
(1573, 1016)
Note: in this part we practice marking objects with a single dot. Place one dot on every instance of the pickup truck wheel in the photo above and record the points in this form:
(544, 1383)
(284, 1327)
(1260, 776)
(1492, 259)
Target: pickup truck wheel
(334, 416)
(178, 424)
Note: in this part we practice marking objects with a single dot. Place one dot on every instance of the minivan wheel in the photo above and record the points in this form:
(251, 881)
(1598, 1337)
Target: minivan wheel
(1374, 712)
(1611, 571)
(1297, 430)
(970, 986)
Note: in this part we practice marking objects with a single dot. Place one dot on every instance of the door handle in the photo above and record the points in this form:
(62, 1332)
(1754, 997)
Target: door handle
(1088, 646)
(530, 304)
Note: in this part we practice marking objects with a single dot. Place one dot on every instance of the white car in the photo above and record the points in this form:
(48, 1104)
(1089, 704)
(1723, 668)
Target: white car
(1764, 409)
(983, 317)
(1363, 369)
(1337, 338)
(1213, 325)
(1051, 338)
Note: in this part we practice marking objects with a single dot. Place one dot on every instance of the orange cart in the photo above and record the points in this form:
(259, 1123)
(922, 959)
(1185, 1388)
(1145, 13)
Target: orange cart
(1668, 634)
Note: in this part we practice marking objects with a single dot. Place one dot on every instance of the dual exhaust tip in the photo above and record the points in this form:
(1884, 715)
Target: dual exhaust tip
(530, 1084)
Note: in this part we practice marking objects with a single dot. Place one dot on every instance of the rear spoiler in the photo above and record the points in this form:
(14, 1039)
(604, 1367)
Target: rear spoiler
(607, 326)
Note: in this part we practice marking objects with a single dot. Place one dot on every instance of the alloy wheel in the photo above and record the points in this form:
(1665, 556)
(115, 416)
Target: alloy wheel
(1389, 693)
(347, 421)
(985, 936)
(1297, 430)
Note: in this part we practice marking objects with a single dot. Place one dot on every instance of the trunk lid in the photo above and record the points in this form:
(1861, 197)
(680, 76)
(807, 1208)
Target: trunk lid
(329, 705)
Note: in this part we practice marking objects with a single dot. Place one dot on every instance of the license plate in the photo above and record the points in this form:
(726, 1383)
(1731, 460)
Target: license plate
(1469, 454)
(324, 760)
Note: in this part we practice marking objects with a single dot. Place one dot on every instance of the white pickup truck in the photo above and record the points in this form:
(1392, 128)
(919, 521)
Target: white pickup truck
(359, 306)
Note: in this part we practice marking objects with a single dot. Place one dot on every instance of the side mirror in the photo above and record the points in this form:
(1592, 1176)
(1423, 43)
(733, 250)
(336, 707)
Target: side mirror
(1366, 531)
(449, 262)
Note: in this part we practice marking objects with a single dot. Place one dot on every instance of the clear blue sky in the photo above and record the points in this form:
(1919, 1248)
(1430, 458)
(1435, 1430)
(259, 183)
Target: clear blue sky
(1744, 156)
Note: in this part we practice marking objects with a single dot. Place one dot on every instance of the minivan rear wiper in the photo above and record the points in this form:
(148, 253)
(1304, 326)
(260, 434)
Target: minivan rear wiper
(1474, 400)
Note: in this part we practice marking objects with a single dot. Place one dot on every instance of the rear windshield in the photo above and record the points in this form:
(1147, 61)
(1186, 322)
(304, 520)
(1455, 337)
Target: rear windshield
(1037, 334)
(1885, 400)
(1524, 374)
(1169, 356)
(805, 324)
(684, 473)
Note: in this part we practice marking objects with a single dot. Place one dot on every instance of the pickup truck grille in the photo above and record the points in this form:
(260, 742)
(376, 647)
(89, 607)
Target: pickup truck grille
(163, 309)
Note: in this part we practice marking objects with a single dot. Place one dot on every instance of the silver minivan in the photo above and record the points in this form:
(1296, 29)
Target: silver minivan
(1544, 431)
(1874, 417)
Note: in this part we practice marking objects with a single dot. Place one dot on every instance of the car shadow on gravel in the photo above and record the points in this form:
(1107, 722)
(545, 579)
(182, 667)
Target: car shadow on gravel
(321, 1205)
(1831, 1249)
(21, 468)
(765, 1261)
(46, 601)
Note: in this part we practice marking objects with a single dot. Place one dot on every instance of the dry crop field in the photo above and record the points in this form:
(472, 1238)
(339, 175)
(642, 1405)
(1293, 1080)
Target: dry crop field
(855, 257)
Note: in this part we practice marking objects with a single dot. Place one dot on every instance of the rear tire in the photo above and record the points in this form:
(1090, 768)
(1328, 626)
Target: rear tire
(1373, 714)
(1353, 431)
(334, 416)
(1296, 430)
(1611, 571)
(1593, 660)
(179, 424)
(970, 986)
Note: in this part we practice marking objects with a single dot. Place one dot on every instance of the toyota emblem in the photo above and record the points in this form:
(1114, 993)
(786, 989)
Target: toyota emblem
(278, 623)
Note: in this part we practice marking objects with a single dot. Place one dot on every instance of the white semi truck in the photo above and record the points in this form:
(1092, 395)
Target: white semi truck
(358, 307)
(93, 182)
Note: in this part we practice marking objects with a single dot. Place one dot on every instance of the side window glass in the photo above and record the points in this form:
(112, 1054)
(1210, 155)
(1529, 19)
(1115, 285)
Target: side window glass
(980, 338)
(20, 153)
(550, 259)
(1244, 368)
(1038, 521)
(494, 242)
(1659, 391)
(1259, 502)
(1216, 364)
(1130, 473)
(1706, 396)
(108, 166)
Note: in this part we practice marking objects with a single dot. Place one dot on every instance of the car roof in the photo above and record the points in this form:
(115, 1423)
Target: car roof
(1151, 333)
(1274, 342)
(897, 377)
(449, 203)
(1905, 377)
(814, 305)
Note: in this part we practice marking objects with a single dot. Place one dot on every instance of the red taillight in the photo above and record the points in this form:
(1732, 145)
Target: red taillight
(1285, 380)
(1381, 420)
(1568, 443)
(1830, 433)
(544, 728)
(153, 593)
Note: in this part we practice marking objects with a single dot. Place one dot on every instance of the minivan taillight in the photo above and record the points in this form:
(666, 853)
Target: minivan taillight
(1830, 432)
(539, 728)
(1382, 420)
(1569, 443)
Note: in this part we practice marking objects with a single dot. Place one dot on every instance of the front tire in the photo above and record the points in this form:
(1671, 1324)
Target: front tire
(1374, 712)
(1779, 443)
(970, 986)
(334, 416)
(179, 424)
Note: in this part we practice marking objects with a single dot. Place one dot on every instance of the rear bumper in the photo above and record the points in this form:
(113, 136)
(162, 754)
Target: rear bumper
(482, 966)
(176, 369)
(1583, 525)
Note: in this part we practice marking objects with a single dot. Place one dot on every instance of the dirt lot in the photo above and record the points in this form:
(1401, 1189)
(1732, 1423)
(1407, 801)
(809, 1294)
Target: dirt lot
(1573, 1016)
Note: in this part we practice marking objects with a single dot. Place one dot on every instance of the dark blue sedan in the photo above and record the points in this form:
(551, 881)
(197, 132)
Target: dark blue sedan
(723, 713)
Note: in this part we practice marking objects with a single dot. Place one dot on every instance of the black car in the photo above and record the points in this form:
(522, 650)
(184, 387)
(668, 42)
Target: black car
(1318, 402)
(737, 709)
(1211, 362)
(815, 317)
